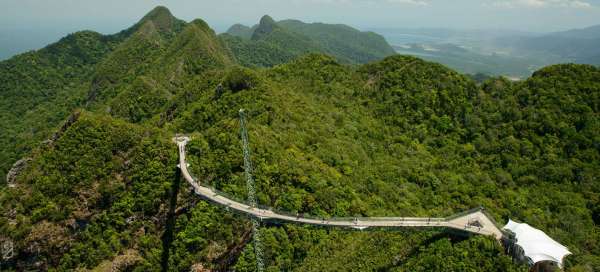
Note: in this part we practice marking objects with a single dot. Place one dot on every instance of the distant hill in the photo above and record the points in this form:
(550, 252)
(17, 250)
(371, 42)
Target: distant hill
(342, 41)
(496, 51)
(577, 50)
(469, 61)
(577, 45)
(589, 33)
(268, 44)
(345, 43)
(241, 31)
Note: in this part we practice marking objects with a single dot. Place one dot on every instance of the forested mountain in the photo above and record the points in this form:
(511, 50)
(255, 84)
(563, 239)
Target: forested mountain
(342, 41)
(395, 137)
(270, 42)
(40, 89)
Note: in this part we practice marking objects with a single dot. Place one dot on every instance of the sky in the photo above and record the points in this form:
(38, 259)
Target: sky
(28, 24)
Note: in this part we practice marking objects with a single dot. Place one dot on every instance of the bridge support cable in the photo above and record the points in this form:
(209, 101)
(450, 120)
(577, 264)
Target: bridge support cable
(258, 252)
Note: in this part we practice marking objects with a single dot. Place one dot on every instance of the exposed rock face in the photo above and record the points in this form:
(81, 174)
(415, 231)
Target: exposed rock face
(70, 121)
(11, 177)
(6, 249)
(199, 268)
(126, 260)
(122, 262)
(22, 163)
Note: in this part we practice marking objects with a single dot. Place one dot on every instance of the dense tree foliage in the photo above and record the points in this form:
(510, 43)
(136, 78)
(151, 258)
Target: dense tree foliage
(39, 89)
(397, 137)
(257, 53)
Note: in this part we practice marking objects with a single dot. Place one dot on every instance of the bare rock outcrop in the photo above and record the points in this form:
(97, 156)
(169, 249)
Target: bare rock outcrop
(70, 121)
(198, 267)
(6, 249)
(16, 169)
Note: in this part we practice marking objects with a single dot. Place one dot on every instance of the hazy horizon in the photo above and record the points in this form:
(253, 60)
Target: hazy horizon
(29, 24)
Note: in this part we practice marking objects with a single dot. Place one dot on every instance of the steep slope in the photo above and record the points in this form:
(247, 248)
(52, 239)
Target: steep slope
(196, 49)
(104, 192)
(151, 81)
(86, 69)
(162, 18)
(39, 89)
(134, 56)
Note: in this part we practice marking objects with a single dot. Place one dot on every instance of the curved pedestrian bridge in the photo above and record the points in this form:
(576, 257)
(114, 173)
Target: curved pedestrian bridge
(473, 221)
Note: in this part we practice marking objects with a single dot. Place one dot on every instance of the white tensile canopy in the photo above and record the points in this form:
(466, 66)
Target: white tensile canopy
(536, 244)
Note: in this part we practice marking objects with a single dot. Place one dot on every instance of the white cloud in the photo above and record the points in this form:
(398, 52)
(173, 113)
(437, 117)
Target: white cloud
(539, 3)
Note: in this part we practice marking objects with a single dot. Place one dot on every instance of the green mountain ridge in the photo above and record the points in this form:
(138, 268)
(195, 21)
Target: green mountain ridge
(395, 137)
(156, 64)
(354, 46)
(40, 89)
(161, 18)
(345, 43)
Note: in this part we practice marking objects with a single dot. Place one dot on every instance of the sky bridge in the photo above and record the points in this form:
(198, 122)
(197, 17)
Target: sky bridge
(473, 221)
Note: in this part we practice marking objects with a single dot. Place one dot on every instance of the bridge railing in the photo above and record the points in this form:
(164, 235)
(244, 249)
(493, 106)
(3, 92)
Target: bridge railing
(344, 219)
(417, 219)
(246, 202)
(485, 211)
(218, 192)
(431, 220)
(463, 213)
(313, 217)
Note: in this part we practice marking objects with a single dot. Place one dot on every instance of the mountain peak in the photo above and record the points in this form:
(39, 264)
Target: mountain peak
(158, 13)
(267, 20)
(162, 19)
(266, 26)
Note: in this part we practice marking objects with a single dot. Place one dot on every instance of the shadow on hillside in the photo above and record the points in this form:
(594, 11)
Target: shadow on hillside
(454, 236)
(167, 238)
(233, 252)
